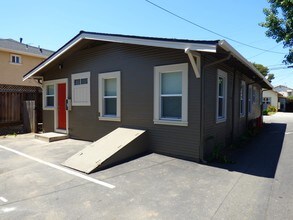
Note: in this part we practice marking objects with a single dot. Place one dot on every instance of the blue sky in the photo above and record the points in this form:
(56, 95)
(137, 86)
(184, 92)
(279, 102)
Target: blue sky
(51, 24)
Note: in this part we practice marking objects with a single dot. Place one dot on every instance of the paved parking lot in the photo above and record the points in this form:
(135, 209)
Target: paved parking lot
(33, 184)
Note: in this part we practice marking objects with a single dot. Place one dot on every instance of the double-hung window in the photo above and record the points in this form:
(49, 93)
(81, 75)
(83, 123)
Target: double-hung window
(81, 89)
(49, 94)
(170, 94)
(249, 99)
(221, 96)
(109, 96)
(242, 98)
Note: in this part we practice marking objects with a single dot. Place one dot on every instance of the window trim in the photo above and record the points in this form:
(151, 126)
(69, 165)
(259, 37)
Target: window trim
(158, 70)
(45, 84)
(102, 77)
(249, 99)
(15, 55)
(242, 86)
(76, 76)
(222, 74)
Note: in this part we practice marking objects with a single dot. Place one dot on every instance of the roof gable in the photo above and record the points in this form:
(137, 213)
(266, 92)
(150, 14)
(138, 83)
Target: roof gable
(182, 44)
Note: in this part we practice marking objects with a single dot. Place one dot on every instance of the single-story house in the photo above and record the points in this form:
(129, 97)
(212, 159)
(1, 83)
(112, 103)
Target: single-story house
(270, 98)
(190, 95)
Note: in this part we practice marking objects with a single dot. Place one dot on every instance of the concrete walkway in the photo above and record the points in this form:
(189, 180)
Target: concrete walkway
(281, 200)
(153, 186)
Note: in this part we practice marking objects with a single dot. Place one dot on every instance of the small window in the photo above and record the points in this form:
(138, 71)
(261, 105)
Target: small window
(16, 59)
(249, 99)
(242, 98)
(81, 89)
(109, 96)
(170, 94)
(49, 96)
(221, 96)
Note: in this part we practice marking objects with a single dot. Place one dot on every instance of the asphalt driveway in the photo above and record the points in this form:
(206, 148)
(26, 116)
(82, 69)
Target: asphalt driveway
(33, 184)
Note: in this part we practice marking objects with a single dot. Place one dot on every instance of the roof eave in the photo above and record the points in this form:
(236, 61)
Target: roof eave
(212, 48)
(226, 46)
(22, 53)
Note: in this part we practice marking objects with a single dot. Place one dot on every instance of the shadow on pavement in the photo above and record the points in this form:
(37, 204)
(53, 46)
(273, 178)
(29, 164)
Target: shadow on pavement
(260, 156)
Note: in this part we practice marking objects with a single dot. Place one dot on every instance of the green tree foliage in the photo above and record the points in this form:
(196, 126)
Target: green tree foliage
(279, 22)
(264, 71)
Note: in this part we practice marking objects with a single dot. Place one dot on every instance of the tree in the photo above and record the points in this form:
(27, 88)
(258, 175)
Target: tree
(264, 71)
(279, 22)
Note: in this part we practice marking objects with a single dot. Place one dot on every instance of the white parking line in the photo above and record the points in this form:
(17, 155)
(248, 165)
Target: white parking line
(74, 173)
(3, 199)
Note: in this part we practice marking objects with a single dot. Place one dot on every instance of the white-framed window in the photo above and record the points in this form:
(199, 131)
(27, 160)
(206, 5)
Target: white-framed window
(110, 96)
(170, 94)
(49, 97)
(242, 98)
(221, 96)
(249, 99)
(15, 59)
(80, 87)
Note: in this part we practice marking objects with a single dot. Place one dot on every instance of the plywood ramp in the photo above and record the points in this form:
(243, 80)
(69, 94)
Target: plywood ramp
(117, 146)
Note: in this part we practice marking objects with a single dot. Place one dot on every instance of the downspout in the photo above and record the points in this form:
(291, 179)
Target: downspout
(202, 104)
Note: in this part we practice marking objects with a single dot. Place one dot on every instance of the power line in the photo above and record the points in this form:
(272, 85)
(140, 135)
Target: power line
(206, 29)
(265, 51)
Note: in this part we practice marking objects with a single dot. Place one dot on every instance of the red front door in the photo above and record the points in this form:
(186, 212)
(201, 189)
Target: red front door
(61, 106)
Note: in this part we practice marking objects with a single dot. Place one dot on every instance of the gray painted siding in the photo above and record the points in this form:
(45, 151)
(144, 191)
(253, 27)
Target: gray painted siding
(136, 64)
(220, 134)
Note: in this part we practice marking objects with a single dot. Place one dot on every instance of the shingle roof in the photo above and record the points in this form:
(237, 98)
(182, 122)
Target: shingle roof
(10, 44)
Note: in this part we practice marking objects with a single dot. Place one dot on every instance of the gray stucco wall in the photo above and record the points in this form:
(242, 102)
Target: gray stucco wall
(136, 64)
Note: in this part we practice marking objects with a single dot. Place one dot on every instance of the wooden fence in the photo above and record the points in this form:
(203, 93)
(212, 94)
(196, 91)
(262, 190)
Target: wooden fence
(11, 107)
(20, 105)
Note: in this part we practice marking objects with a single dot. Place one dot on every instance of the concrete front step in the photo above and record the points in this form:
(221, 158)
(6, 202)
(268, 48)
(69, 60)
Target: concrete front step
(51, 136)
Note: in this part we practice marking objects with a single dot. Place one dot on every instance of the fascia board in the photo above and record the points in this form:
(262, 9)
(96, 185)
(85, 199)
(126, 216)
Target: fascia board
(154, 43)
(22, 53)
(226, 46)
(125, 40)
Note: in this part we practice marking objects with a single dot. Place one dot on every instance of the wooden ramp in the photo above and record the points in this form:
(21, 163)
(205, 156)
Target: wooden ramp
(117, 146)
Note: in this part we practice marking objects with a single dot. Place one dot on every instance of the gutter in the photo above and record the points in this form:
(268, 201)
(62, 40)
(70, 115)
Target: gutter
(226, 46)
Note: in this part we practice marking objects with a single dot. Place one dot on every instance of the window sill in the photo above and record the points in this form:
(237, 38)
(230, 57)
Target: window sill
(81, 104)
(105, 118)
(18, 64)
(49, 108)
(171, 122)
(220, 120)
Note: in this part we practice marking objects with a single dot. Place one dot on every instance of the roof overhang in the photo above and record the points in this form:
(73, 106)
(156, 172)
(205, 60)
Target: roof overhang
(22, 53)
(227, 47)
(154, 42)
(185, 45)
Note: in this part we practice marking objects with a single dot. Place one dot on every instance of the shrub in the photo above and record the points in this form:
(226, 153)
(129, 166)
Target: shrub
(265, 112)
(272, 109)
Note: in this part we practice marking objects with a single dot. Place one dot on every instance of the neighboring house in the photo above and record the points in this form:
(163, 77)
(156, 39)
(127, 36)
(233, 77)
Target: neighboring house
(284, 90)
(189, 95)
(270, 98)
(17, 58)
